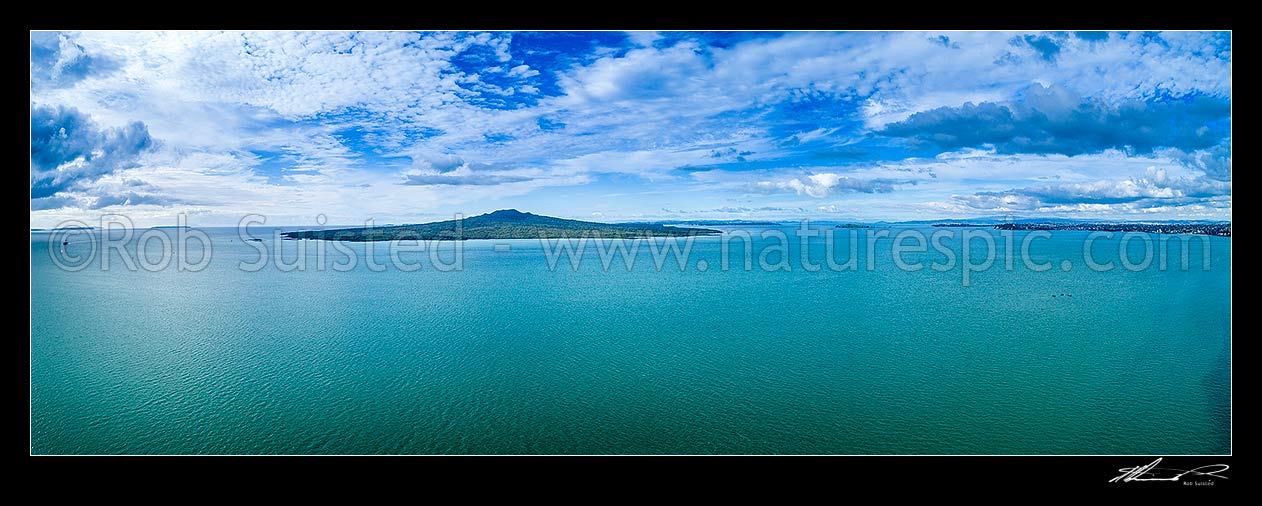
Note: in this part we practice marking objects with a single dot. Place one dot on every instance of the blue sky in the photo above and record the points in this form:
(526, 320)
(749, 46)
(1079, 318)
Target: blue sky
(408, 127)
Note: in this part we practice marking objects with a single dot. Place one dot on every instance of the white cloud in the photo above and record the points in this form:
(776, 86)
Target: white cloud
(523, 71)
(215, 99)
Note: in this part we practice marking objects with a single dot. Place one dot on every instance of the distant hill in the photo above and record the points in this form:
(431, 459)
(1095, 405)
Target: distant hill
(502, 224)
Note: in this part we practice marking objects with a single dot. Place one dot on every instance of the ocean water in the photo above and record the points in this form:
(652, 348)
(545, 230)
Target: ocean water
(506, 356)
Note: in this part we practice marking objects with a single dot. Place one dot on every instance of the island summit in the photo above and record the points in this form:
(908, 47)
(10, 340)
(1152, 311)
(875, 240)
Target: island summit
(502, 224)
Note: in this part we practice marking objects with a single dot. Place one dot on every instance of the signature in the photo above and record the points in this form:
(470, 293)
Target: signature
(1151, 472)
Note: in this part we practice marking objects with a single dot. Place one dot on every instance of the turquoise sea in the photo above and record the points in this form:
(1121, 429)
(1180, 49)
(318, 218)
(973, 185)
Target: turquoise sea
(506, 356)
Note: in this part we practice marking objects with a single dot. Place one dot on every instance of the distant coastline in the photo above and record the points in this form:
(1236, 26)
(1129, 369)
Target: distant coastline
(1214, 229)
(56, 229)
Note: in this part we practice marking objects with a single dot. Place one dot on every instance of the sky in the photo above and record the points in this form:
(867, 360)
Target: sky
(404, 127)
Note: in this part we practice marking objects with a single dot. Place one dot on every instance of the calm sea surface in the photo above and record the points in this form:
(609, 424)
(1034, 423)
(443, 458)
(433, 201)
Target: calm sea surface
(507, 356)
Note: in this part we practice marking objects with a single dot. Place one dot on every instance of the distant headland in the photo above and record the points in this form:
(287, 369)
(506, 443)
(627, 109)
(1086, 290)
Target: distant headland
(502, 224)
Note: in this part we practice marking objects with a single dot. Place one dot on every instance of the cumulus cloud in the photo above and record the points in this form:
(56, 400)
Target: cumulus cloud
(641, 74)
(439, 162)
(68, 149)
(131, 199)
(1214, 162)
(461, 180)
(1156, 187)
(522, 71)
(1054, 120)
(54, 202)
(999, 201)
(57, 60)
(824, 184)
